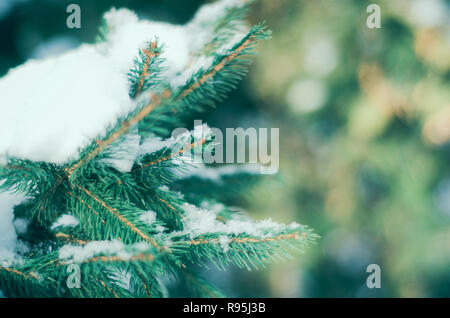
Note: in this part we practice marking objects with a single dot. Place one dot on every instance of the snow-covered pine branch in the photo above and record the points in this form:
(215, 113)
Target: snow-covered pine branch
(85, 145)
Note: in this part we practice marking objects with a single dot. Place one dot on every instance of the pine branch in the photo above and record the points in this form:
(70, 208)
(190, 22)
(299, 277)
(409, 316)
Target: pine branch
(131, 226)
(185, 96)
(166, 204)
(244, 250)
(119, 216)
(147, 68)
(125, 126)
(172, 156)
(258, 32)
(226, 26)
(124, 221)
(21, 274)
(108, 288)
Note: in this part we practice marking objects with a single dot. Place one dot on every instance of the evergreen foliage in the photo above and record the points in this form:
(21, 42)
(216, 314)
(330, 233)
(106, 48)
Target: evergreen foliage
(119, 253)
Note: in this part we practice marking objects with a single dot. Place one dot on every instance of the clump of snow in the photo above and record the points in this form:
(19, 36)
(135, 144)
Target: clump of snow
(152, 144)
(199, 221)
(9, 245)
(164, 188)
(176, 193)
(78, 254)
(202, 63)
(130, 34)
(207, 15)
(201, 131)
(51, 108)
(224, 242)
(124, 153)
(116, 18)
(160, 228)
(81, 253)
(21, 225)
(148, 217)
(215, 207)
(180, 42)
(65, 220)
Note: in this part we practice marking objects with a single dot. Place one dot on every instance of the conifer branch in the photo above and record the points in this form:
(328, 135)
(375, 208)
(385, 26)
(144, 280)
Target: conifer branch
(124, 128)
(171, 207)
(293, 236)
(68, 238)
(165, 97)
(108, 288)
(199, 283)
(126, 219)
(87, 205)
(19, 273)
(149, 55)
(171, 156)
(121, 218)
(146, 287)
(217, 68)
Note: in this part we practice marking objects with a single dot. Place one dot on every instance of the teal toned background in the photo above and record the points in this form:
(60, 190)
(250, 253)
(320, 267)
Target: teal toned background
(364, 118)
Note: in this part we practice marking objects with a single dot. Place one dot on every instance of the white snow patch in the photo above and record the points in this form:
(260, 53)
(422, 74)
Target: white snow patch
(160, 228)
(78, 254)
(116, 18)
(126, 39)
(81, 253)
(164, 188)
(52, 107)
(65, 220)
(124, 154)
(9, 245)
(202, 63)
(200, 221)
(224, 242)
(152, 144)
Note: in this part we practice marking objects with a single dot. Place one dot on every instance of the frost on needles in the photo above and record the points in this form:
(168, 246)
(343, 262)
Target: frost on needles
(89, 175)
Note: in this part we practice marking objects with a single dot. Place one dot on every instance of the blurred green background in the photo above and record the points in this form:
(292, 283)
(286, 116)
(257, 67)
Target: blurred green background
(364, 118)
